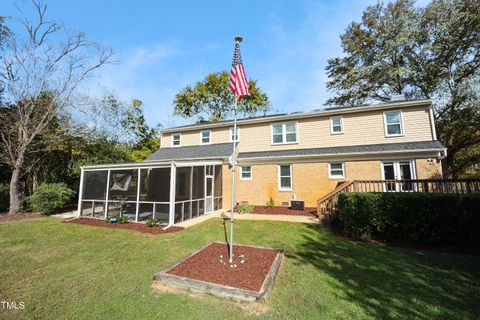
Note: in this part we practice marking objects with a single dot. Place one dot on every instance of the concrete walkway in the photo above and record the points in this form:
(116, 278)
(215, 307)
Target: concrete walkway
(65, 215)
(248, 216)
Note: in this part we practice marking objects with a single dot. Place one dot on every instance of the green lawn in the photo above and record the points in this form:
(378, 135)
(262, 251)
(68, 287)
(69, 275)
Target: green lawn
(67, 271)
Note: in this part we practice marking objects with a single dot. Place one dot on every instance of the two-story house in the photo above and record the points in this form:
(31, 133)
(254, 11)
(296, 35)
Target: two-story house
(280, 157)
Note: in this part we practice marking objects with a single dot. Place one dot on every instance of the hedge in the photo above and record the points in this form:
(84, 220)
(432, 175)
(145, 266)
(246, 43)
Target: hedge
(423, 218)
(48, 198)
(4, 197)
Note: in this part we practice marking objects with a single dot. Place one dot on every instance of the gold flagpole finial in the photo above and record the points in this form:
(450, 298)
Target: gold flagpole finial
(238, 39)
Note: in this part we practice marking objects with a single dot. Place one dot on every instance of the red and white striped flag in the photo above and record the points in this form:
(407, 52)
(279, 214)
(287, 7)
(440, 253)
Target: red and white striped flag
(238, 78)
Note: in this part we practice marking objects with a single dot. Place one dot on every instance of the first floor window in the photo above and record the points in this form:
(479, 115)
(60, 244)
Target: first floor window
(246, 173)
(176, 139)
(336, 170)
(393, 123)
(285, 177)
(205, 137)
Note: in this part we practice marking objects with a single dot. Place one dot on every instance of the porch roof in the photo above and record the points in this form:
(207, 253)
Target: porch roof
(434, 146)
(206, 151)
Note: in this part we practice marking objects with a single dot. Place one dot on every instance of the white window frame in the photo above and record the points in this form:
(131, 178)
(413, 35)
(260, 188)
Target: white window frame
(330, 176)
(331, 125)
(231, 134)
(284, 133)
(179, 139)
(280, 188)
(241, 173)
(396, 172)
(209, 137)
(385, 124)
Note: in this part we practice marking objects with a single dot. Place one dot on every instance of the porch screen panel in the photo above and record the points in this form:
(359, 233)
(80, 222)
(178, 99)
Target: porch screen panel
(218, 182)
(123, 185)
(198, 183)
(182, 191)
(95, 185)
(158, 185)
(162, 212)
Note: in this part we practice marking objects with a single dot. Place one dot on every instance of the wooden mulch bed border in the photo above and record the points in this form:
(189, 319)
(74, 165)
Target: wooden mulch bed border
(219, 290)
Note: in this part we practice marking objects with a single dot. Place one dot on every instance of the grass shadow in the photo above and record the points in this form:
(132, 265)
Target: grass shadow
(388, 282)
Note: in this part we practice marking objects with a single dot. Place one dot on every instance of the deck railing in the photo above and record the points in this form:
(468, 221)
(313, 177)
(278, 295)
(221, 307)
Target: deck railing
(327, 204)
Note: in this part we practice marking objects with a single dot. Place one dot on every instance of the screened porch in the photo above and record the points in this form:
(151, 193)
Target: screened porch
(169, 192)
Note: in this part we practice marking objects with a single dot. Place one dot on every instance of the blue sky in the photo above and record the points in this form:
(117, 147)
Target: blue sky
(162, 46)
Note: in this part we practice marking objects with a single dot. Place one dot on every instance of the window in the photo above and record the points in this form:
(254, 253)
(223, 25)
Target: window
(283, 133)
(246, 173)
(393, 123)
(176, 139)
(235, 137)
(285, 177)
(336, 125)
(205, 137)
(336, 170)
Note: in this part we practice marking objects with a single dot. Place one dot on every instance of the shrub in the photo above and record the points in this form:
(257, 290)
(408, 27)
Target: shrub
(122, 220)
(245, 208)
(50, 197)
(427, 218)
(4, 197)
(270, 203)
(152, 222)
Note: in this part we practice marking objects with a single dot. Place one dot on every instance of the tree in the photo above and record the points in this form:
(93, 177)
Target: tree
(41, 72)
(431, 52)
(213, 99)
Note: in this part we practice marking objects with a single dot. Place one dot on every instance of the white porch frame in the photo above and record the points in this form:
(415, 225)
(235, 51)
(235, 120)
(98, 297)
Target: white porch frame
(173, 165)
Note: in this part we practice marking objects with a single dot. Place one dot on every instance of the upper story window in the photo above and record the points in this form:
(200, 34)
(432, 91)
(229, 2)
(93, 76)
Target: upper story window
(393, 123)
(246, 173)
(336, 125)
(205, 137)
(336, 170)
(234, 136)
(283, 133)
(176, 139)
(285, 177)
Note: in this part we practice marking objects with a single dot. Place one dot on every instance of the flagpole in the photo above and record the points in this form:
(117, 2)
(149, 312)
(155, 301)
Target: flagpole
(234, 164)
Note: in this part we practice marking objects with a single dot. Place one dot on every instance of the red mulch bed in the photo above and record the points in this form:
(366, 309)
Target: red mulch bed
(5, 218)
(205, 265)
(285, 211)
(140, 227)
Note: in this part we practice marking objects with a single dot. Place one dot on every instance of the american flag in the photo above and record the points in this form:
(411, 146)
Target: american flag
(238, 78)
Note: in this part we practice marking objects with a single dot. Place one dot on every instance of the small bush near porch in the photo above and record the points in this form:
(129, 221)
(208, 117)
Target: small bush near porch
(424, 218)
(69, 271)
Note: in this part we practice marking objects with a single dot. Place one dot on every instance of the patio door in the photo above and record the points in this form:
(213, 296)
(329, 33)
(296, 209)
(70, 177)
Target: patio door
(209, 189)
(398, 170)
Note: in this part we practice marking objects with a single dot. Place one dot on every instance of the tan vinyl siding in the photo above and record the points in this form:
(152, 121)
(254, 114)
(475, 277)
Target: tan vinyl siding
(192, 138)
(359, 129)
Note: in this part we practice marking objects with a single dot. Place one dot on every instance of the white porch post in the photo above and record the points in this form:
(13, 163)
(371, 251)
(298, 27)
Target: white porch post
(173, 174)
(107, 193)
(138, 195)
(80, 193)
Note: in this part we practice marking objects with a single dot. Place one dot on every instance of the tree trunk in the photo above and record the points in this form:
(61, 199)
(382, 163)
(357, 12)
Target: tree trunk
(14, 185)
(14, 192)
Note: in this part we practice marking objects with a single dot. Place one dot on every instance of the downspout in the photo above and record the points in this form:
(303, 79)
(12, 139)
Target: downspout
(171, 212)
(80, 194)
